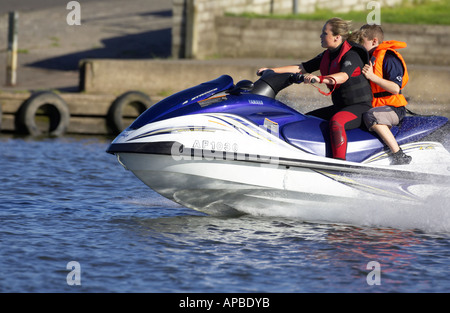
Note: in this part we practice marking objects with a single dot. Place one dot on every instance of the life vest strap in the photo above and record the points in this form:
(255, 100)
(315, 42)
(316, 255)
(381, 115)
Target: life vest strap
(384, 94)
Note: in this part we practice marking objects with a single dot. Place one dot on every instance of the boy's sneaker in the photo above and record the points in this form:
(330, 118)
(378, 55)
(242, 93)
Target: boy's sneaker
(400, 158)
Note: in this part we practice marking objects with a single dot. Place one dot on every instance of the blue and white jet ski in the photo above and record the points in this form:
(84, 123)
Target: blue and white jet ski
(220, 145)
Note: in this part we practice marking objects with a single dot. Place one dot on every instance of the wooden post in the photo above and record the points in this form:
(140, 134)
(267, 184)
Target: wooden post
(190, 43)
(11, 64)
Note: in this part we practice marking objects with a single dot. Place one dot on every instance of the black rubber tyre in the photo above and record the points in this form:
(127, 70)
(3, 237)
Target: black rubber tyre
(115, 119)
(43, 104)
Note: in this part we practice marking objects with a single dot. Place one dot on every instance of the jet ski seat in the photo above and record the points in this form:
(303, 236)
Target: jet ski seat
(312, 135)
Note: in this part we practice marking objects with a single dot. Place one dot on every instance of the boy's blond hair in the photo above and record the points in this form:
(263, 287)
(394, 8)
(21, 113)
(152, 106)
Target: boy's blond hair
(372, 31)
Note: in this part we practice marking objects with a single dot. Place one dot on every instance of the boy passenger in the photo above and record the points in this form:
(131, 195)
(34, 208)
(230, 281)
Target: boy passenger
(388, 75)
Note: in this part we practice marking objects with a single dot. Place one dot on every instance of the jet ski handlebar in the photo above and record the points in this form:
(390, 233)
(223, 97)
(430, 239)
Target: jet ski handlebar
(271, 82)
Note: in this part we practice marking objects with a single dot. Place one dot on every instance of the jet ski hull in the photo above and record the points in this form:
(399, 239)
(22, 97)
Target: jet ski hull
(219, 185)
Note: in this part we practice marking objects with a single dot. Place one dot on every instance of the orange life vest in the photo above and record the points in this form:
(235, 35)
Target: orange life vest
(381, 96)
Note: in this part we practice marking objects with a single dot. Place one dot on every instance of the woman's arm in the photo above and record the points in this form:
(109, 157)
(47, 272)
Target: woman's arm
(284, 69)
(337, 78)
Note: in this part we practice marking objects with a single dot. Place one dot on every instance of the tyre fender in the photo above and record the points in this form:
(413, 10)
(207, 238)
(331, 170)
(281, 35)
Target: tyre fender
(137, 99)
(51, 105)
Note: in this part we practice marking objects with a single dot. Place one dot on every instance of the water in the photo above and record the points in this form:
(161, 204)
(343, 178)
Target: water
(65, 200)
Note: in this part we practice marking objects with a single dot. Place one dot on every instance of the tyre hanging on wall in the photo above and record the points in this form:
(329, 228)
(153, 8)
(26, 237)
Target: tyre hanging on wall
(43, 113)
(125, 109)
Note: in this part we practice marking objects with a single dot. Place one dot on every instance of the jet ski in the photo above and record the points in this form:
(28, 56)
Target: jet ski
(221, 146)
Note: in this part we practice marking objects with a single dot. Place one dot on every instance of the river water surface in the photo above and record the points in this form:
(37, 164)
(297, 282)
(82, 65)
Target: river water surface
(65, 199)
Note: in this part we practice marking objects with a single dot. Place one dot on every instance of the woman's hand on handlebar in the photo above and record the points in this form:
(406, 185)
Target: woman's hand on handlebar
(311, 79)
(260, 71)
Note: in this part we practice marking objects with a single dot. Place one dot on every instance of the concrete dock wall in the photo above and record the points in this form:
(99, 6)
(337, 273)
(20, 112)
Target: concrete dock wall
(201, 30)
(195, 33)
(89, 114)
(427, 83)
(270, 38)
(425, 90)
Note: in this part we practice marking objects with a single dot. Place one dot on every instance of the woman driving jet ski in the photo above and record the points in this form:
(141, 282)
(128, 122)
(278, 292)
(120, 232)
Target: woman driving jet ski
(341, 67)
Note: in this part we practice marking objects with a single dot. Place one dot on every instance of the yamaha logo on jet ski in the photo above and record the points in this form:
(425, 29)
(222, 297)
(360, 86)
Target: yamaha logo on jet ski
(207, 146)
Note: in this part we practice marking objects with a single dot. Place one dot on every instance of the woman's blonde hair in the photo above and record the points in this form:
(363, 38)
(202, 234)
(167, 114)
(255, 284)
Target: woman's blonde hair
(356, 36)
(340, 27)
